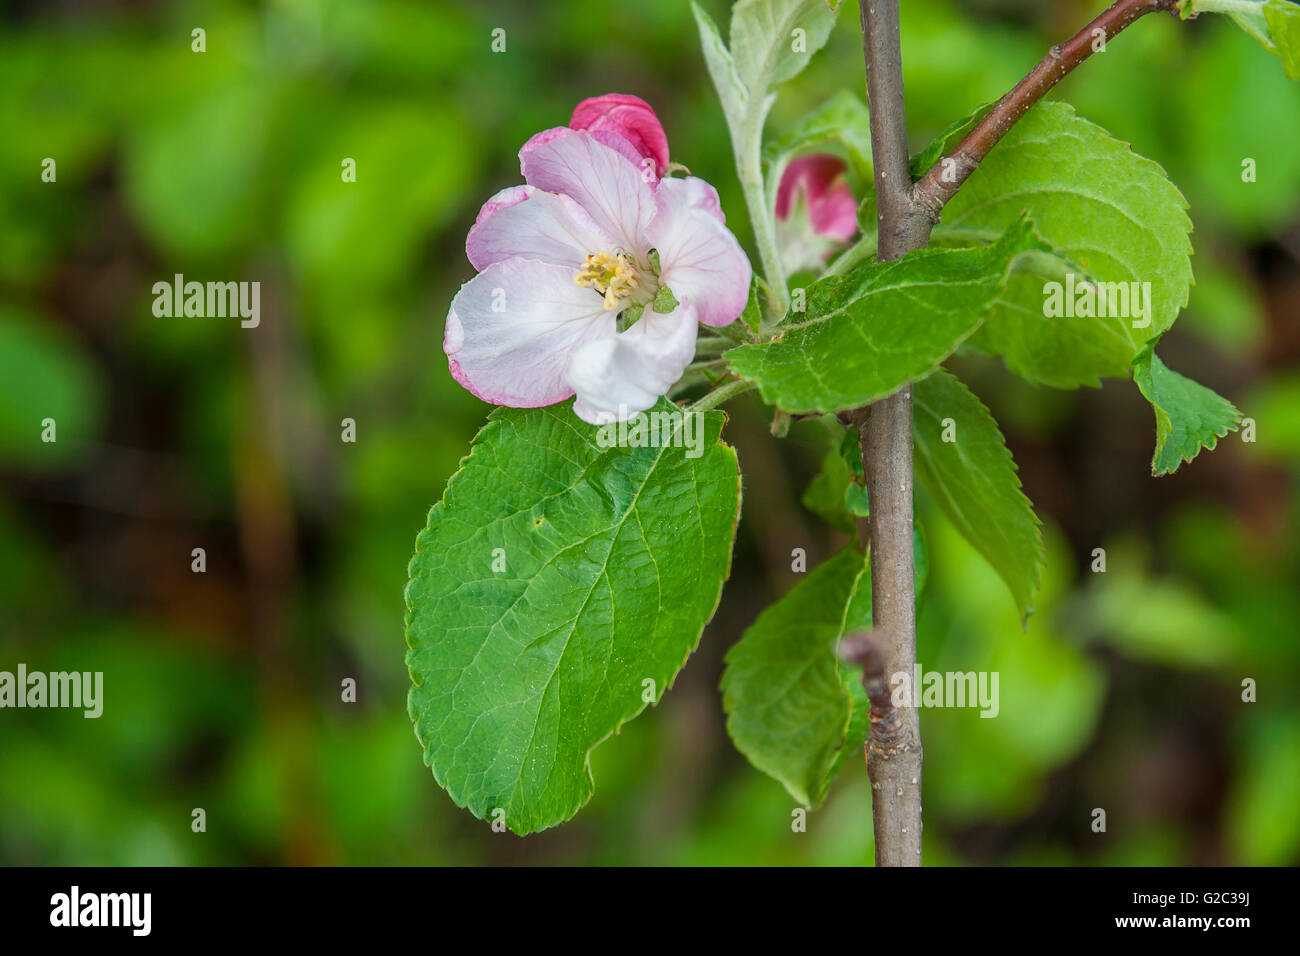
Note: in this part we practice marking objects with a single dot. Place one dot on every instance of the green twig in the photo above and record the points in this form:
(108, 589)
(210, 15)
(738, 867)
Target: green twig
(721, 394)
(860, 251)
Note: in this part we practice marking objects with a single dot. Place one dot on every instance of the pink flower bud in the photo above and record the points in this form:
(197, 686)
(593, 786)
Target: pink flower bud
(819, 178)
(629, 117)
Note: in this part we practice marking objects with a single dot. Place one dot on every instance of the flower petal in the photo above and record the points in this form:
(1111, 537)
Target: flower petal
(631, 118)
(514, 327)
(529, 222)
(606, 183)
(620, 376)
(502, 200)
(831, 206)
(701, 195)
(702, 261)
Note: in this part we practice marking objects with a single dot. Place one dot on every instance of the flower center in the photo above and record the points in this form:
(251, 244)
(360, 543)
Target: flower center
(614, 275)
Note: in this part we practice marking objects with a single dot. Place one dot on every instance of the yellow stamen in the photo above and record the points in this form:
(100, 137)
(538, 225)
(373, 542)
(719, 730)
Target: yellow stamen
(612, 274)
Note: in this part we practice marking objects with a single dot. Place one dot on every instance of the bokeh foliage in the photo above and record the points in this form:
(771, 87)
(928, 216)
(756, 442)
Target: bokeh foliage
(222, 689)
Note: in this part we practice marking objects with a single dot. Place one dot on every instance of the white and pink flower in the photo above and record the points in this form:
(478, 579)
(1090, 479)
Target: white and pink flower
(594, 275)
(815, 211)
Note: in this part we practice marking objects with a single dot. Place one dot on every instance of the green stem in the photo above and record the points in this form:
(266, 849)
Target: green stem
(721, 394)
(860, 251)
(748, 145)
(708, 363)
(714, 343)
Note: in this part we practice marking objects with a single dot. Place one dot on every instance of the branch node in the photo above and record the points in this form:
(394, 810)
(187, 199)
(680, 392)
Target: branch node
(890, 734)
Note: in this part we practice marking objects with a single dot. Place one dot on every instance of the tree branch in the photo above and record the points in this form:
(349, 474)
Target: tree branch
(885, 440)
(906, 213)
(933, 190)
(893, 752)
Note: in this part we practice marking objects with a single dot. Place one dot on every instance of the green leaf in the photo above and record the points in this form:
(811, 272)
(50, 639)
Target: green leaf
(841, 121)
(836, 493)
(752, 316)
(880, 326)
(788, 700)
(824, 495)
(613, 559)
(793, 707)
(1189, 416)
(1284, 27)
(973, 480)
(860, 718)
(1100, 205)
(772, 40)
(945, 141)
(722, 69)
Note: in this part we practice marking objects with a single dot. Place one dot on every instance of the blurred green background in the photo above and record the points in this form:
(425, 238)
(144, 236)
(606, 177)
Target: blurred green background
(222, 689)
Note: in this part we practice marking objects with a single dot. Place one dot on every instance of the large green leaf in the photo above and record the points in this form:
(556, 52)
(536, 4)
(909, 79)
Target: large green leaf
(881, 325)
(613, 562)
(973, 479)
(788, 700)
(1189, 416)
(1098, 204)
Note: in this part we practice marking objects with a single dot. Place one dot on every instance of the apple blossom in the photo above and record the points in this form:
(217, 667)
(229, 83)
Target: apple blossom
(594, 275)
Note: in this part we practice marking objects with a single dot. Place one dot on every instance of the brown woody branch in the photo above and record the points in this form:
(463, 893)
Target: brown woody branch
(861, 650)
(933, 190)
(906, 213)
(885, 442)
(893, 754)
